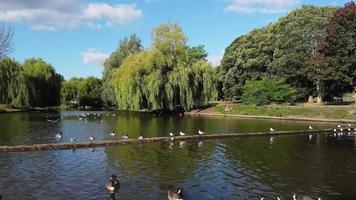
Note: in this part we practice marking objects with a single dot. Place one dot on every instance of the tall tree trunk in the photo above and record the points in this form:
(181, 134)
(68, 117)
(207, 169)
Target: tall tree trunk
(319, 99)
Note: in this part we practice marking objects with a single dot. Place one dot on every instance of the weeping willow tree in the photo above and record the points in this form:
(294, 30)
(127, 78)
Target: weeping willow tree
(15, 87)
(169, 76)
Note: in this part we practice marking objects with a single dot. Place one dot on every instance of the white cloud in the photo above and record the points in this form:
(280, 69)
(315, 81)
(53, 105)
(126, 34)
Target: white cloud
(51, 15)
(261, 6)
(93, 57)
(215, 59)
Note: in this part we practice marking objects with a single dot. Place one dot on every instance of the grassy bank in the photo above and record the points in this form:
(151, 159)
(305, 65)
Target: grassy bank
(322, 112)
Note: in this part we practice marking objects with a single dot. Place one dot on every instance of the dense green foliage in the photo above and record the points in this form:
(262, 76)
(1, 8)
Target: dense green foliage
(33, 84)
(84, 92)
(267, 90)
(45, 81)
(282, 49)
(127, 46)
(169, 76)
(334, 64)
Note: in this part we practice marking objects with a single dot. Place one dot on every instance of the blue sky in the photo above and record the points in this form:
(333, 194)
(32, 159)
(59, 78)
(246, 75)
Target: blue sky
(75, 36)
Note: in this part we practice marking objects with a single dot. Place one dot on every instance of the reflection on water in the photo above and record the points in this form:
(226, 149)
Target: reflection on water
(240, 168)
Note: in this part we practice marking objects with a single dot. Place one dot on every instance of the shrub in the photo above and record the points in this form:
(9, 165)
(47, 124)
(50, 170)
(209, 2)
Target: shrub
(268, 90)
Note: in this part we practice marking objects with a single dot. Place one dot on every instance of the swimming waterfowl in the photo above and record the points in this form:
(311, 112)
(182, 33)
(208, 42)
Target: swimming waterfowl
(112, 133)
(301, 197)
(200, 132)
(174, 193)
(91, 138)
(113, 184)
(125, 136)
(73, 139)
(59, 135)
(181, 133)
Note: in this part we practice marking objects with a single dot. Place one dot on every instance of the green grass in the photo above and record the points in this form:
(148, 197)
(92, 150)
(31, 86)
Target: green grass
(334, 112)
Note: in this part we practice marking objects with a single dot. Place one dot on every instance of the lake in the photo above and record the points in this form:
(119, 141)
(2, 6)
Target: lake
(239, 168)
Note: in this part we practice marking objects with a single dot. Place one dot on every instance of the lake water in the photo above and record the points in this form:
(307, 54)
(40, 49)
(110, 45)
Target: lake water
(240, 168)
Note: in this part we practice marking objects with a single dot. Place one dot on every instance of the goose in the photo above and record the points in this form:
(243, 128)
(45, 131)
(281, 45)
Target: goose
(91, 138)
(125, 136)
(171, 134)
(140, 137)
(59, 135)
(181, 133)
(73, 139)
(112, 133)
(271, 129)
(113, 184)
(175, 193)
(201, 132)
(310, 128)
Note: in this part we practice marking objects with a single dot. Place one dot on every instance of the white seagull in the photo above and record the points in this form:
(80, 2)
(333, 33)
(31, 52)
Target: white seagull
(181, 133)
(171, 134)
(91, 138)
(271, 129)
(140, 137)
(73, 139)
(201, 132)
(310, 128)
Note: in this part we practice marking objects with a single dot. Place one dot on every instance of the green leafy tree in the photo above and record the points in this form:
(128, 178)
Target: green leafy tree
(45, 81)
(282, 49)
(88, 93)
(127, 46)
(295, 39)
(268, 90)
(69, 90)
(334, 71)
(168, 76)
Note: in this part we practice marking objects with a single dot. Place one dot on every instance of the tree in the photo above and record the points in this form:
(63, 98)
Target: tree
(6, 34)
(268, 90)
(247, 58)
(281, 49)
(69, 90)
(45, 81)
(169, 76)
(295, 37)
(89, 92)
(127, 46)
(334, 71)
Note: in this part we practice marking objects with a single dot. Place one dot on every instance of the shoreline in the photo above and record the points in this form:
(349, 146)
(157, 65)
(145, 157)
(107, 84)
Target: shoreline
(306, 119)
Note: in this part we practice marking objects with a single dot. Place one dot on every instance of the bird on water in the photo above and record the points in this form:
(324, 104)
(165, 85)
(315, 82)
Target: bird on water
(174, 193)
(113, 184)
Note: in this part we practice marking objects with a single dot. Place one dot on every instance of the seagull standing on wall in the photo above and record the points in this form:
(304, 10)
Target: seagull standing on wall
(201, 132)
(181, 133)
(310, 128)
(271, 129)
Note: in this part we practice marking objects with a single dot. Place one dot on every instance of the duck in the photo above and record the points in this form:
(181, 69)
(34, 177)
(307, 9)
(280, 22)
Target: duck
(112, 133)
(174, 193)
(310, 128)
(113, 184)
(125, 136)
(59, 134)
(200, 132)
(91, 138)
(181, 133)
(271, 129)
